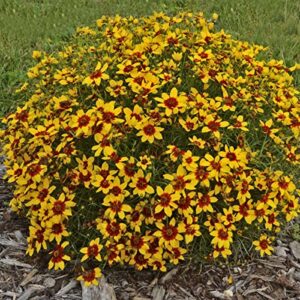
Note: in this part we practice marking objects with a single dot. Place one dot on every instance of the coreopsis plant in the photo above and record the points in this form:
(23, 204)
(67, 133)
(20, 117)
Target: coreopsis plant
(148, 140)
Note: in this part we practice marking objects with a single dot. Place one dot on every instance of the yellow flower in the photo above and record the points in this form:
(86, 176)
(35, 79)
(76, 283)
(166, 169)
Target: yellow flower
(263, 245)
(149, 132)
(213, 124)
(222, 237)
(144, 162)
(90, 277)
(140, 184)
(97, 75)
(58, 257)
(180, 181)
(167, 200)
(83, 122)
(92, 251)
(169, 234)
(173, 103)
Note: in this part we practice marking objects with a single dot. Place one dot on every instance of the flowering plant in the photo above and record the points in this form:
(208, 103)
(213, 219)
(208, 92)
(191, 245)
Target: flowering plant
(145, 137)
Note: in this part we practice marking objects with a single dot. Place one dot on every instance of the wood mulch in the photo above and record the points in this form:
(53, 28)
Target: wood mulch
(23, 277)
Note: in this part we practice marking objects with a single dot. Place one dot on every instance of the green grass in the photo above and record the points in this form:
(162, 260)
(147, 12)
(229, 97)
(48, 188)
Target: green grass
(27, 25)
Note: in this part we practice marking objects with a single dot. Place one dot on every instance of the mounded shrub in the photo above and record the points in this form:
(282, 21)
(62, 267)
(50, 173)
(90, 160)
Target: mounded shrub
(145, 141)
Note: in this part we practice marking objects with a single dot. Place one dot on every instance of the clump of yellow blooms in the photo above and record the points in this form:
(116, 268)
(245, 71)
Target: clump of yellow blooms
(146, 139)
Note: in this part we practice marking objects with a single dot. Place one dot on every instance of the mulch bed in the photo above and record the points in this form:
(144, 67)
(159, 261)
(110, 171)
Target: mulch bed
(23, 277)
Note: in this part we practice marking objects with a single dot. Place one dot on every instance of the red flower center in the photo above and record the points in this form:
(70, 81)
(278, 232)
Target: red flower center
(57, 228)
(116, 206)
(22, 116)
(179, 183)
(92, 251)
(201, 174)
(136, 242)
(231, 156)
(165, 199)
(141, 183)
(171, 102)
(83, 121)
(149, 130)
(129, 170)
(105, 184)
(213, 125)
(184, 202)
(58, 207)
(18, 172)
(116, 191)
(215, 165)
(34, 170)
(169, 232)
(57, 254)
(283, 184)
(108, 117)
(113, 228)
(96, 74)
(204, 201)
(222, 234)
(263, 244)
(89, 276)
(43, 194)
(189, 125)
(86, 177)
(39, 236)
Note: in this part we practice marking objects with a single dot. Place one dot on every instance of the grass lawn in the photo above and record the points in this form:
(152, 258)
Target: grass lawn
(27, 25)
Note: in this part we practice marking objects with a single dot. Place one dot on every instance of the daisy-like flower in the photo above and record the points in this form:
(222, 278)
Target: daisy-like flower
(127, 168)
(189, 124)
(234, 158)
(116, 88)
(173, 103)
(140, 184)
(239, 124)
(92, 251)
(215, 166)
(83, 122)
(189, 161)
(213, 124)
(144, 162)
(42, 193)
(61, 208)
(111, 228)
(222, 236)
(197, 142)
(204, 202)
(223, 251)
(37, 238)
(167, 200)
(149, 131)
(180, 180)
(133, 117)
(175, 254)
(57, 230)
(169, 234)
(174, 152)
(116, 207)
(191, 229)
(245, 211)
(35, 171)
(267, 127)
(90, 277)
(96, 76)
(58, 257)
(263, 245)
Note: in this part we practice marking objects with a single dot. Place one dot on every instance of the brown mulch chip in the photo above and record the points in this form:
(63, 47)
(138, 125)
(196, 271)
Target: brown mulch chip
(23, 277)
